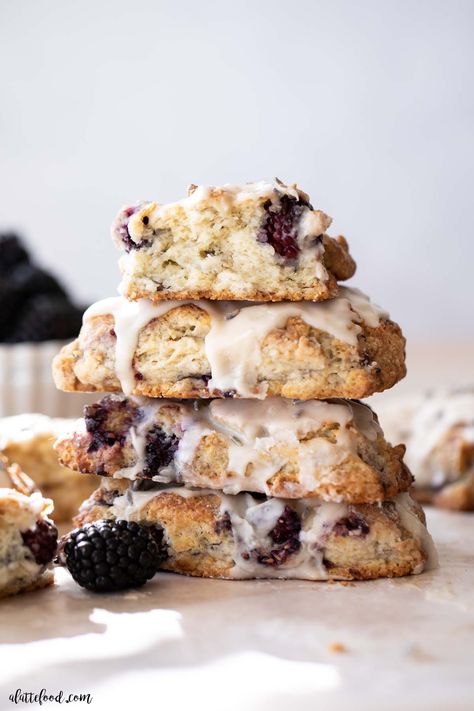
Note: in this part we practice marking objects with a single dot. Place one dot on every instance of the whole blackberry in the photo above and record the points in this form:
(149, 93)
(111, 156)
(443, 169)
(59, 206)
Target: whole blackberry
(45, 318)
(42, 541)
(108, 555)
(12, 252)
(30, 280)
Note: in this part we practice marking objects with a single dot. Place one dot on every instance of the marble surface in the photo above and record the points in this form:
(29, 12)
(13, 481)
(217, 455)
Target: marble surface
(255, 644)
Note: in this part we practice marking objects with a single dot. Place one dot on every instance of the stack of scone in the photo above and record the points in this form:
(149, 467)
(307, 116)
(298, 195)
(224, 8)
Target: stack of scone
(257, 468)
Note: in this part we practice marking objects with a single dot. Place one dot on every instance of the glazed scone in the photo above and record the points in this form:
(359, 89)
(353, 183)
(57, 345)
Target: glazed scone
(333, 450)
(344, 347)
(258, 241)
(28, 537)
(438, 430)
(29, 440)
(209, 534)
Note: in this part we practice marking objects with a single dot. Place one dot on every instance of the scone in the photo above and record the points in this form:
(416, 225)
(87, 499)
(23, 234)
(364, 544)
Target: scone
(210, 534)
(29, 440)
(28, 537)
(438, 430)
(333, 450)
(258, 241)
(344, 347)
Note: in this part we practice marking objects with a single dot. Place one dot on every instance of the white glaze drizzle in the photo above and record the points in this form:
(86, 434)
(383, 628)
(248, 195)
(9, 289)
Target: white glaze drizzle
(255, 429)
(252, 521)
(232, 345)
(261, 437)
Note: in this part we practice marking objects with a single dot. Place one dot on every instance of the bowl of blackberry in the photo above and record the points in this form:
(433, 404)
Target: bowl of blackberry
(37, 316)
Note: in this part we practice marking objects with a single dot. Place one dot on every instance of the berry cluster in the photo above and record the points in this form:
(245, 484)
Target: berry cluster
(35, 306)
(108, 555)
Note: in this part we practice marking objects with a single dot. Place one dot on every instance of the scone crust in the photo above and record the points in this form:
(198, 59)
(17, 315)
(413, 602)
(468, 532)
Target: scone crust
(297, 361)
(200, 545)
(371, 470)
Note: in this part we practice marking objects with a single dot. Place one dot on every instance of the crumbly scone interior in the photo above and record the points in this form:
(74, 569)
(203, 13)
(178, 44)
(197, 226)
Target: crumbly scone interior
(249, 536)
(213, 244)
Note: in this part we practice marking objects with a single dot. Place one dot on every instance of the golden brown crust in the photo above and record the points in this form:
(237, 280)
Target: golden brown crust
(200, 545)
(364, 470)
(297, 361)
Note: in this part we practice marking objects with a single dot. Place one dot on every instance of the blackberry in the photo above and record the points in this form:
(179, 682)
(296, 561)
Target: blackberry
(287, 526)
(108, 555)
(12, 252)
(45, 318)
(121, 228)
(30, 280)
(10, 300)
(108, 422)
(285, 534)
(280, 227)
(42, 541)
(159, 450)
(352, 525)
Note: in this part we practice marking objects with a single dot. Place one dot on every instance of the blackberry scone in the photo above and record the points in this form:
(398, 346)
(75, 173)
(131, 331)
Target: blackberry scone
(29, 441)
(28, 537)
(333, 450)
(438, 430)
(258, 241)
(344, 347)
(209, 534)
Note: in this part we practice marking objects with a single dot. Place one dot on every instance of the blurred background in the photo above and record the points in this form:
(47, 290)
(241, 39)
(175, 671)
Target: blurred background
(369, 106)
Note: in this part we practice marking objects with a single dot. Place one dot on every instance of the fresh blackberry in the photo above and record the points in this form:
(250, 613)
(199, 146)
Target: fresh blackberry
(112, 555)
(42, 541)
(159, 450)
(10, 300)
(45, 318)
(12, 252)
(30, 280)
(280, 227)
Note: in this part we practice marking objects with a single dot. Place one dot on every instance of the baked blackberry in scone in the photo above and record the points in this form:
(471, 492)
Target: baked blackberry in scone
(258, 241)
(344, 347)
(333, 450)
(209, 534)
(438, 431)
(28, 537)
(29, 440)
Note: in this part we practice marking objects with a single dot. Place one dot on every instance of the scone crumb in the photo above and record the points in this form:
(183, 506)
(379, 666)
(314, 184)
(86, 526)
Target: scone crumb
(337, 648)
